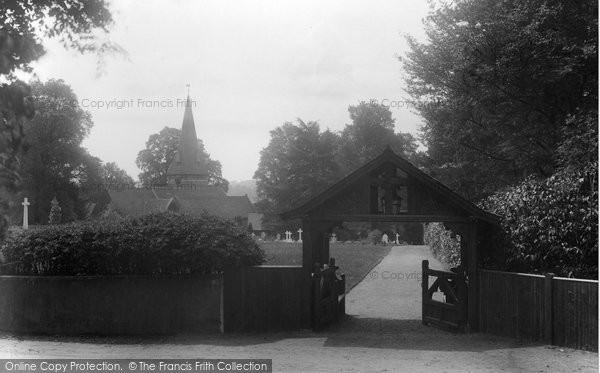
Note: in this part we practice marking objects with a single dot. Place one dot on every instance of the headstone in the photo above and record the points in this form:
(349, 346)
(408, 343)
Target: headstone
(278, 237)
(263, 236)
(397, 239)
(300, 235)
(25, 213)
(384, 239)
(253, 236)
(288, 236)
(333, 238)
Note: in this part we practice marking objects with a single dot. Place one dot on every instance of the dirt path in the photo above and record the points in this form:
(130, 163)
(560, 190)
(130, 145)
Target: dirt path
(379, 335)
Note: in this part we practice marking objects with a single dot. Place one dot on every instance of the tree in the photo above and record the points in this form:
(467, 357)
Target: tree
(53, 161)
(155, 159)
(497, 82)
(298, 163)
(160, 151)
(79, 24)
(112, 174)
(371, 131)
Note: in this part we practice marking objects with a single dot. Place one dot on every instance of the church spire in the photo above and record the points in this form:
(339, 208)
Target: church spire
(189, 165)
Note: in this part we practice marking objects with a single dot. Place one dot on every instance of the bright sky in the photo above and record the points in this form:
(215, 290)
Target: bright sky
(251, 66)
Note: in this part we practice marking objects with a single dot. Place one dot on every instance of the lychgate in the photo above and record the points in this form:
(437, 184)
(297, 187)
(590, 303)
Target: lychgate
(391, 189)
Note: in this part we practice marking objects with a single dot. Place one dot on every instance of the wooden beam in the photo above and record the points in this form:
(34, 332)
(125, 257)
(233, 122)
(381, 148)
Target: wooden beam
(390, 218)
(473, 291)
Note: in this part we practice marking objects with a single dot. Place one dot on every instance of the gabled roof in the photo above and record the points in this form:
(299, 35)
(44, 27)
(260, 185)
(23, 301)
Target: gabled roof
(388, 155)
(209, 199)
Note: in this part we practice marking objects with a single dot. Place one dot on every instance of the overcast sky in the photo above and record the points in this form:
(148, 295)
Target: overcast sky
(251, 66)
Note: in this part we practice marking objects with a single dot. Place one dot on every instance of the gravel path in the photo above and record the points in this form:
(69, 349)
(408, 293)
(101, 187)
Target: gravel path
(382, 333)
(392, 290)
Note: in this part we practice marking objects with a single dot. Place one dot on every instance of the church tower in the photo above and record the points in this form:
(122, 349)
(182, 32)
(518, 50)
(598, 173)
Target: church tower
(189, 165)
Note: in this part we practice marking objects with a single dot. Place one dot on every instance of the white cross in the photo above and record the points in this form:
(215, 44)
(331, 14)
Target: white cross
(300, 234)
(25, 213)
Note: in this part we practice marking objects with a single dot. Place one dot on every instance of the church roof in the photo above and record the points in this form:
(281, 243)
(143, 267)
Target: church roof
(189, 160)
(210, 199)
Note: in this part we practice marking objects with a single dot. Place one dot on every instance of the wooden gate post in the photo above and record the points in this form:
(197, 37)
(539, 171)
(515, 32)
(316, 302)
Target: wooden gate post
(424, 288)
(473, 291)
(548, 308)
(315, 244)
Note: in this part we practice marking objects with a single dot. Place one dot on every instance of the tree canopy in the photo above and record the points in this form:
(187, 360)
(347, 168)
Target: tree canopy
(112, 174)
(53, 160)
(300, 161)
(498, 84)
(509, 94)
(160, 151)
(78, 24)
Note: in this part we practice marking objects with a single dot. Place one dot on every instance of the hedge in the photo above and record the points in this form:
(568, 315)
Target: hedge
(551, 225)
(154, 244)
(443, 246)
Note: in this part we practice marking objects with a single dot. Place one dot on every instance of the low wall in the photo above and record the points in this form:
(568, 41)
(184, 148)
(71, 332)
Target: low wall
(110, 304)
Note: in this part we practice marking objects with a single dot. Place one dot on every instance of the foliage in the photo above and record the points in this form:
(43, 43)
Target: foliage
(499, 84)
(371, 131)
(112, 174)
(297, 164)
(300, 161)
(78, 24)
(443, 246)
(55, 212)
(53, 161)
(374, 236)
(155, 159)
(551, 225)
(155, 244)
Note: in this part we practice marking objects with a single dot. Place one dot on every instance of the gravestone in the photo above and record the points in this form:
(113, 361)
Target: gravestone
(384, 239)
(278, 237)
(397, 239)
(333, 238)
(25, 213)
(300, 235)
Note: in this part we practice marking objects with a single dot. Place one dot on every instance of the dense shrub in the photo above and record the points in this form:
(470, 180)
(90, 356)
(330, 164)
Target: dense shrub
(374, 236)
(551, 225)
(444, 247)
(162, 243)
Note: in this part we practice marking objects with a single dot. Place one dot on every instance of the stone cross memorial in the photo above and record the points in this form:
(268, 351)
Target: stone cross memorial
(25, 213)
(300, 235)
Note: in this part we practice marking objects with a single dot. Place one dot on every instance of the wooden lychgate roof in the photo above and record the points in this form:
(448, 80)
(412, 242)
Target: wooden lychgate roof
(416, 196)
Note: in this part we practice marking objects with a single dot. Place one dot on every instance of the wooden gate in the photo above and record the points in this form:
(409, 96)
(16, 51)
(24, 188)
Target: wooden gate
(329, 295)
(450, 309)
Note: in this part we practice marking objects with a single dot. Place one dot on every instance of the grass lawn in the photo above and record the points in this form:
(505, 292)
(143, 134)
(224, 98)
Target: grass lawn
(355, 260)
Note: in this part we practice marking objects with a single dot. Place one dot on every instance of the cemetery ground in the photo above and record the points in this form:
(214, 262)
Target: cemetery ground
(382, 332)
(357, 258)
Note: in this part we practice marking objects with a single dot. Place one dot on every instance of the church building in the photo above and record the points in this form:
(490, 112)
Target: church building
(187, 188)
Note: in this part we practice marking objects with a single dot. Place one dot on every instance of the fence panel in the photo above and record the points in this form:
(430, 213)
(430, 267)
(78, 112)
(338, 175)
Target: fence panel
(575, 310)
(265, 298)
(557, 311)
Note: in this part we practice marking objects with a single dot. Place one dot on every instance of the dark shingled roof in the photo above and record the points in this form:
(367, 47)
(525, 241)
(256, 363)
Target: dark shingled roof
(210, 199)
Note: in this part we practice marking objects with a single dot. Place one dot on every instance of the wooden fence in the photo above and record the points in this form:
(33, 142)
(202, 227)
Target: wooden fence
(265, 298)
(553, 310)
